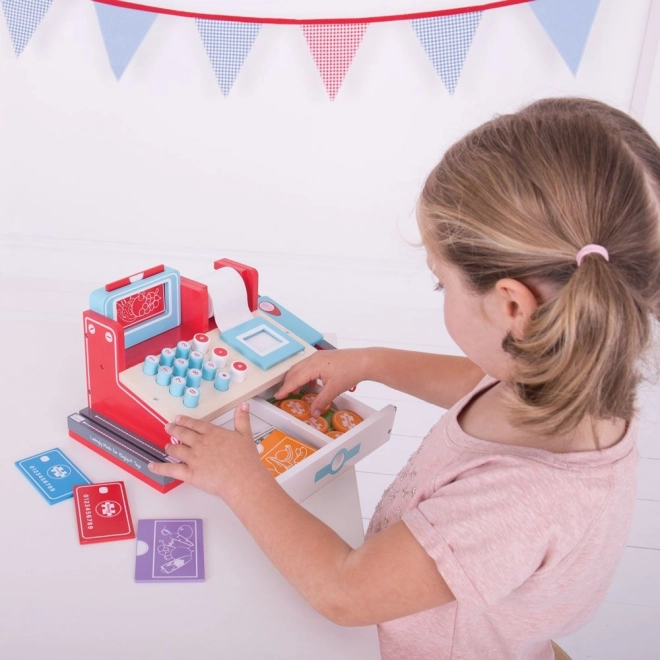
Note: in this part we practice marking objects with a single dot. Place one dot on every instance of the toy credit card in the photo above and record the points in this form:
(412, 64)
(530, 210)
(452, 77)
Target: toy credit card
(169, 551)
(52, 474)
(102, 513)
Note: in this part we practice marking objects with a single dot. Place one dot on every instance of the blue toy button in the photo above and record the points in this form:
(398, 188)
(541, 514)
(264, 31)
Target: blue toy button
(164, 375)
(222, 381)
(209, 371)
(167, 356)
(178, 386)
(180, 367)
(191, 397)
(183, 349)
(194, 378)
(196, 360)
(150, 366)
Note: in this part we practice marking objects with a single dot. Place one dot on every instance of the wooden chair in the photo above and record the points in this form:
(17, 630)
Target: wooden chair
(560, 654)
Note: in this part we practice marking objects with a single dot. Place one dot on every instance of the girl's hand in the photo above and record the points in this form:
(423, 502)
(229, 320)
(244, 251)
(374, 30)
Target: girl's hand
(338, 370)
(214, 459)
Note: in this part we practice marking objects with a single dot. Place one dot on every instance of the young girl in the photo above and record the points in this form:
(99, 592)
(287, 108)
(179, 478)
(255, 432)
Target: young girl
(505, 528)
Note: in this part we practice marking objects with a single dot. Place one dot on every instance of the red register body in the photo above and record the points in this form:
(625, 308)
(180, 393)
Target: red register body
(106, 357)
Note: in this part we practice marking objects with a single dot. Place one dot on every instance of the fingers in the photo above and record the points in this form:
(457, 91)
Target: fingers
(182, 434)
(307, 374)
(180, 452)
(242, 419)
(179, 471)
(288, 387)
(299, 375)
(197, 425)
(323, 399)
(187, 430)
(176, 470)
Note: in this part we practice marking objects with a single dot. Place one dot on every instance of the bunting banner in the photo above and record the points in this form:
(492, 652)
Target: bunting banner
(333, 29)
(567, 23)
(446, 40)
(123, 31)
(333, 48)
(23, 17)
(227, 44)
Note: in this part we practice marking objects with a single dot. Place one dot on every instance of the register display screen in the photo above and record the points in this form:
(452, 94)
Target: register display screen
(262, 340)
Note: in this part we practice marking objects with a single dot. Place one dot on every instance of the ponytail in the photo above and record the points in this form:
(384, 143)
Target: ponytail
(578, 356)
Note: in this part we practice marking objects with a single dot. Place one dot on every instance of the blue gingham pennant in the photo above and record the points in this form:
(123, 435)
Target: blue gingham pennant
(567, 23)
(446, 40)
(227, 44)
(23, 17)
(123, 31)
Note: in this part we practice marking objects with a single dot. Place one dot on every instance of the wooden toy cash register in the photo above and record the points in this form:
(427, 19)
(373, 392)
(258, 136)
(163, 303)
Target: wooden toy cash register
(158, 345)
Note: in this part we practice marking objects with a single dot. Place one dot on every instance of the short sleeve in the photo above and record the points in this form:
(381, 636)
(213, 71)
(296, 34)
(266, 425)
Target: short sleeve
(489, 530)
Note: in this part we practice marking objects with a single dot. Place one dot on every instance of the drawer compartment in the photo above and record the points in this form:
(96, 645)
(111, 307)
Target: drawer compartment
(333, 456)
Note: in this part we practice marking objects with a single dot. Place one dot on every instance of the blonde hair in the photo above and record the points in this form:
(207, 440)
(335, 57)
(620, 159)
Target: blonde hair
(518, 198)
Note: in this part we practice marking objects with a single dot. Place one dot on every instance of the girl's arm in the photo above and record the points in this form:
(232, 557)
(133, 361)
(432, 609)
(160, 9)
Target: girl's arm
(389, 576)
(439, 379)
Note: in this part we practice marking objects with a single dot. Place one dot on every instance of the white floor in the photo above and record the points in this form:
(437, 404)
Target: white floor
(365, 304)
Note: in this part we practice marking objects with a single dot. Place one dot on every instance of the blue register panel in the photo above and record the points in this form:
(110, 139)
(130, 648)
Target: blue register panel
(262, 343)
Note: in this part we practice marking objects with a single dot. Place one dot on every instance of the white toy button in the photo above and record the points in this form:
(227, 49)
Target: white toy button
(219, 357)
(238, 371)
(201, 343)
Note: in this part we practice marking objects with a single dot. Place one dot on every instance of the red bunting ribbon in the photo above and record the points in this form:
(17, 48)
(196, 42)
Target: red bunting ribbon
(312, 21)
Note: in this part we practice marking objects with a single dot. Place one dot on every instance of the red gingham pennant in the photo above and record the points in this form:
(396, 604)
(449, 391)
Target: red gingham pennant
(333, 48)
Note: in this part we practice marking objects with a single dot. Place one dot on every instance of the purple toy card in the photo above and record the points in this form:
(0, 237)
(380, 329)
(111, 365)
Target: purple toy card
(169, 550)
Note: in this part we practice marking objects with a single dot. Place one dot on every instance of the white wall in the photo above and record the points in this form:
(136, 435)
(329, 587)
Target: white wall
(99, 179)
(646, 99)
(162, 158)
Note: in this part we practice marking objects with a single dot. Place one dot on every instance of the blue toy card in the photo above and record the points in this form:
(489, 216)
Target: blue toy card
(52, 474)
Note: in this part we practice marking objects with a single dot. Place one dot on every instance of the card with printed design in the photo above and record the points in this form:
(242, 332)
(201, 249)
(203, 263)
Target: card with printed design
(52, 474)
(102, 512)
(169, 551)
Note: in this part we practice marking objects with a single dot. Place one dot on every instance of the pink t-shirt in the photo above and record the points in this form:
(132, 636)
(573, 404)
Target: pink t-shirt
(527, 540)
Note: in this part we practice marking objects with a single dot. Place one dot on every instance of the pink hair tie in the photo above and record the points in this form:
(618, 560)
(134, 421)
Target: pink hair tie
(592, 248)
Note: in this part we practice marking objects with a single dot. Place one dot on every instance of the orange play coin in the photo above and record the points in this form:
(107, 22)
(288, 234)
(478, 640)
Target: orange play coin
(309, 398)
(296, 407)
(345, 420)
(319, 423)
(334, 434)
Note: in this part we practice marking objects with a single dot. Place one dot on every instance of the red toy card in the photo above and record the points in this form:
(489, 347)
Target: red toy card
(102, 512)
